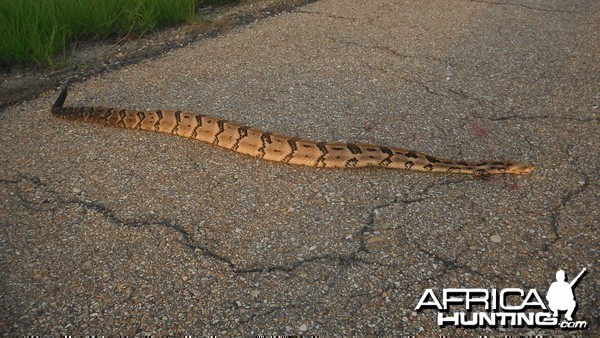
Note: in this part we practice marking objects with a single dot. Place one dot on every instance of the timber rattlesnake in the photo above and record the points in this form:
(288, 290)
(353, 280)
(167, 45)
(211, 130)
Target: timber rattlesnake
(275, 147)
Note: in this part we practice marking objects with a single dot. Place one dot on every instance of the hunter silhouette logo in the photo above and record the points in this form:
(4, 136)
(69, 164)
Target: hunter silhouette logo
(560, 295)
(508, 307)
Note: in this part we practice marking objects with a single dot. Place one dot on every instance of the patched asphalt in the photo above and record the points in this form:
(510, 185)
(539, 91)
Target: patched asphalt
(112, 231)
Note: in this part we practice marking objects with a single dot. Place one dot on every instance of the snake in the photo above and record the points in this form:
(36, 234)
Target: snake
(277, 147)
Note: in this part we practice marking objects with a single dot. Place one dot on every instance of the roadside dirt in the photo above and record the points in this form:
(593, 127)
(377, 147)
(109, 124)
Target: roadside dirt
(18, 83)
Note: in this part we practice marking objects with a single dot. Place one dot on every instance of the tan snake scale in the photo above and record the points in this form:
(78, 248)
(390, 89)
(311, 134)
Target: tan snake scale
(278, 148)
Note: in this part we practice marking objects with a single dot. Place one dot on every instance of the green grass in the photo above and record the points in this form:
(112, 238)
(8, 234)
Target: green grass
(36, 31)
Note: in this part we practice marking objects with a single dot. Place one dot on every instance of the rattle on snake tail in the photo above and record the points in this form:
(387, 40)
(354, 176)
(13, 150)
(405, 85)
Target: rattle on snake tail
(276, 147)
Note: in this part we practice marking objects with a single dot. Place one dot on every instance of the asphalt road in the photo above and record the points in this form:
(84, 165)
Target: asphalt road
(111, 231)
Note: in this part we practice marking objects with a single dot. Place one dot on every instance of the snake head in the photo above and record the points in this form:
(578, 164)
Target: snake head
(520, 168)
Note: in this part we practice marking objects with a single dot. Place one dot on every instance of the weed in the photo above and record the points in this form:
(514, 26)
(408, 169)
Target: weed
(35, 31)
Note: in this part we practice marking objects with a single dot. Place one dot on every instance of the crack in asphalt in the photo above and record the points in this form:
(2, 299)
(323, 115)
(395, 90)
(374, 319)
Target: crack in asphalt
(386, 49)
(456, 93)
(542, 117)
(452, 93)
(57, 199)
(462, 94)
(187, 238)
(556, 212)
(523, 6)
(269, 311)
(449, 263)
(108, 214)
(329, 15)
(188, 241)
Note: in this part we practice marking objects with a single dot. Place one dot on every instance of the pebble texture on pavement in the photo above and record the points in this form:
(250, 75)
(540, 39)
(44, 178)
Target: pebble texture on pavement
(113, 231)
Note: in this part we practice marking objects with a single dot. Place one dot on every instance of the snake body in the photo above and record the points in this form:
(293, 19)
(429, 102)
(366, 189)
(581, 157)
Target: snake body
(276, 147)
